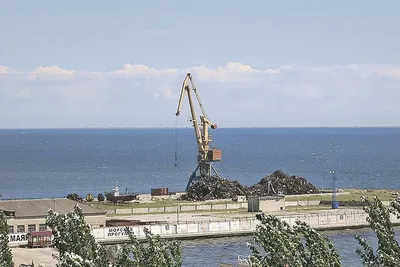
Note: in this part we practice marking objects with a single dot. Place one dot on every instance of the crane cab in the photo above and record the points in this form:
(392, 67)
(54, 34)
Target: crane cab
(214, 155)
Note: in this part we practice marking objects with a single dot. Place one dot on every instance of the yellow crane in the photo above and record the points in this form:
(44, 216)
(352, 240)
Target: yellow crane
(206, 155)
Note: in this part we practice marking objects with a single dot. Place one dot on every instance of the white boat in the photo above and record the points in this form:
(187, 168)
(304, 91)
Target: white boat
(243, 261)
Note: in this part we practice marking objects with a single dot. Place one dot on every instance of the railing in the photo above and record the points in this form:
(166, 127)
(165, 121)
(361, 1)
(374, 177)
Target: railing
(215, 220)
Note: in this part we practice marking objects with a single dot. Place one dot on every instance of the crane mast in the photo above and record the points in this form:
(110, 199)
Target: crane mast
(206, 155)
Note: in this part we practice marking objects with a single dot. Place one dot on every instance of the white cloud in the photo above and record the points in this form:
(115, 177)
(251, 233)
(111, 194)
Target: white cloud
(391, 72)
(24, 93)
(231, 72)
(272, 71)
(129, 69)
(3, 69)
(168, 93)
(6, 70)
(234, 94)
(54, 70)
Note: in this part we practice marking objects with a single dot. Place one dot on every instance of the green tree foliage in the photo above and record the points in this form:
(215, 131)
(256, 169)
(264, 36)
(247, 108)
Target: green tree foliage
(318, 250)
(73, 239)
(297, 246)
(77, 247)
(155, 252)
(388, 250)
(282, 245)
(6, 259)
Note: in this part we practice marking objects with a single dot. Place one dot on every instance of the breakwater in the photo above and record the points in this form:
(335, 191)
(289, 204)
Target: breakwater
(214, 205)
(178, 207)
(351, 203)
(236, 226)
(203, 207)
(323, 220)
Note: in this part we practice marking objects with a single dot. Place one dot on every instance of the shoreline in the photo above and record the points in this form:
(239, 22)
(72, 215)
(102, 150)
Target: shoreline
(226, 127)
(237, 234)
(23, 255)
(174, 219)
(192, 226)
(208, 225)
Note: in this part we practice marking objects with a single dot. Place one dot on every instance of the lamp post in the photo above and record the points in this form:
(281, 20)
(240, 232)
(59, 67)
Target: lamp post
(177, 213)
(334, 189)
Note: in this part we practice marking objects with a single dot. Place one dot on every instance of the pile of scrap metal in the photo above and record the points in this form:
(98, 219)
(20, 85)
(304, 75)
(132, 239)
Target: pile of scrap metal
(75, 197)
(214, 188)
(277, 183)
(280, 182)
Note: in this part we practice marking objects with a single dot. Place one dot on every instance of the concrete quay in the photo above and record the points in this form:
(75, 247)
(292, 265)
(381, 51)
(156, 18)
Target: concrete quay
(211, 205)
(212, 225)
(206, 225)
(199, 208)
(37, 256)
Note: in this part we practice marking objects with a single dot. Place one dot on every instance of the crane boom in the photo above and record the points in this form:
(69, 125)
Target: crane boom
(206, 155)
(186, 89)
(197, 96)
(202, 136)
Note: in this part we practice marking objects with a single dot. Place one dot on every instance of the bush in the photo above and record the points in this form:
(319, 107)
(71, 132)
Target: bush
(89, 198)
(100, 197)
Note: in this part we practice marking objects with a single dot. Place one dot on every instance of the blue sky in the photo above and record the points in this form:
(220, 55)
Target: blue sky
(330, 63)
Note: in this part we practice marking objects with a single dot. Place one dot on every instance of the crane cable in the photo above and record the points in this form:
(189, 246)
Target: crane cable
(176, 142)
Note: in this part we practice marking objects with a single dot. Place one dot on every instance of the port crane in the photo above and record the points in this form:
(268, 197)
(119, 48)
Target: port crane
(206, 155)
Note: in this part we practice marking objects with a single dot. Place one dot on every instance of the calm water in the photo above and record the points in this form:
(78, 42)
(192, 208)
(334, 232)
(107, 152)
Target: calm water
(53, 163)
(50, 163)
(210, 252)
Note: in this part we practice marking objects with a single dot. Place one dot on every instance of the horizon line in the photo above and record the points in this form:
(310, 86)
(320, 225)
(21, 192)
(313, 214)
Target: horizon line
(189, 127)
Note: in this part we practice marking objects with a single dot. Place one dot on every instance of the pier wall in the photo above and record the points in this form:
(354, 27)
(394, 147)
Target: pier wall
(190, 230)
(200, 207)
(210, 206)
(352, 203)
(182, 208)
(229, 227)
(302, 203)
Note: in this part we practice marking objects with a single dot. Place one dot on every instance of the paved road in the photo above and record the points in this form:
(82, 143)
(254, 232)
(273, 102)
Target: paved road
(38, 255)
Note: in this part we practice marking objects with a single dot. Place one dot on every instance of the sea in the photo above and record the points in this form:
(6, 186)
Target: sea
(47, 163)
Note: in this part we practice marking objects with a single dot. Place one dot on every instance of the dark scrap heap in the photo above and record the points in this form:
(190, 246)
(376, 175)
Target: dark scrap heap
(214, 188)
(282, 182)
(220, 188)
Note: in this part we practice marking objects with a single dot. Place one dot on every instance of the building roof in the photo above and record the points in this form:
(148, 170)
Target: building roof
(40, 233)
(8, 212)
(40, 207)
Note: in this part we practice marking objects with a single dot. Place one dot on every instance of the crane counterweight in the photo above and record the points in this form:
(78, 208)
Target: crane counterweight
(206, 155)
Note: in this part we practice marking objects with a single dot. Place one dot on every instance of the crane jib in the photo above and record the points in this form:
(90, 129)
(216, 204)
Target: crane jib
(206, 154)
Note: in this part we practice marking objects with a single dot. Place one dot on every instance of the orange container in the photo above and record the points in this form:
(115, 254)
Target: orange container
(159, 191)
(215, 155)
